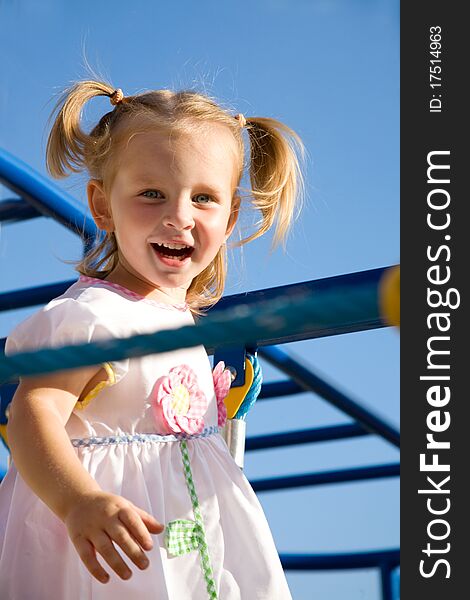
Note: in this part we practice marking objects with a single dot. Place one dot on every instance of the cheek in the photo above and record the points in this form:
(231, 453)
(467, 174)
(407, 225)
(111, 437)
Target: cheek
(136, 217)
(216, 225)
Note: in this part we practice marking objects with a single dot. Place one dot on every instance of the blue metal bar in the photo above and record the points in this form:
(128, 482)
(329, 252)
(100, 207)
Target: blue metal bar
(357, 314)
(6, 394)
(309, 381)
(304, 436)
(386, 580)
(277, 389)
(281, 317)
(46, 197)
(355, 307)
(340, 476)
(16, 209)
(354, 560)
(33, 296)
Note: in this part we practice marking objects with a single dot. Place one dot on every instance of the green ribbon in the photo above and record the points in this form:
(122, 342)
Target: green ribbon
(182, 536)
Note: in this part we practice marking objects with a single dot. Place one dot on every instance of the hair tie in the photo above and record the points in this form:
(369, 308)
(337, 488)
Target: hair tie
(116, 97)
(241, 119)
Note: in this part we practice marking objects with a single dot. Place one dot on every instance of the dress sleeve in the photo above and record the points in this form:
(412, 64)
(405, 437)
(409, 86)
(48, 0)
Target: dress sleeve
(62, 322)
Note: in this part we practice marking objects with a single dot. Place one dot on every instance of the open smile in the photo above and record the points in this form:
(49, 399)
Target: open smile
(172, 257)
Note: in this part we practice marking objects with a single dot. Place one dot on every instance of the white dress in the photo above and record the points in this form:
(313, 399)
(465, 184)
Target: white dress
(126, 436)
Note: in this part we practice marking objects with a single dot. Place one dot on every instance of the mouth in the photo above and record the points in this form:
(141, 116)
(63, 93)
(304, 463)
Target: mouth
(174, 255)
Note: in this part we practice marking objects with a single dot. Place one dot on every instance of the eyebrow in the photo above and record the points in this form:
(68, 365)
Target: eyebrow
(210, 188)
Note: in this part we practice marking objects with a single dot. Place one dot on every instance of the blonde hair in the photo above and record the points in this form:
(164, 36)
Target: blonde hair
(274, 166)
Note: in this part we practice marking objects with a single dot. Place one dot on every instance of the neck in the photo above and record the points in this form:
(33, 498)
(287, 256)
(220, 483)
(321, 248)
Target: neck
(141, 286)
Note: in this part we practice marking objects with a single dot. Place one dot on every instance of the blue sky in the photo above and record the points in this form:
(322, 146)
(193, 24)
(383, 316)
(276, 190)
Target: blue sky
(330, 70)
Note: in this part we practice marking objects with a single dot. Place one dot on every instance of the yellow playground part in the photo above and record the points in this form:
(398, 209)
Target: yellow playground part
(3, 433)
(389, 296)
(236, 395)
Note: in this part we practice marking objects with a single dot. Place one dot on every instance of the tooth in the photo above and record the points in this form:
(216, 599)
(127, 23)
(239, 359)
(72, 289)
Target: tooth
(174, 246)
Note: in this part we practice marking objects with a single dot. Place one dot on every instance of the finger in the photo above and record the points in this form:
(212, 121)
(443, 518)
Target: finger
(150, 521)
(119, 534)
(133, 522)
(87, 553)
(104, 546)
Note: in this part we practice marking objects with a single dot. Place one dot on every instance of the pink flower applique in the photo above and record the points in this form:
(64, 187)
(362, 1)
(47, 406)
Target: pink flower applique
(222, 382)
(178, 401)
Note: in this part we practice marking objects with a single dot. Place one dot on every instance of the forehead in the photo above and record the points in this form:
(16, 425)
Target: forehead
(210, 153)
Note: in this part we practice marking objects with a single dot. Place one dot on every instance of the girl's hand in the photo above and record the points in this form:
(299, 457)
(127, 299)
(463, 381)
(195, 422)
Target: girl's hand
(98, 520)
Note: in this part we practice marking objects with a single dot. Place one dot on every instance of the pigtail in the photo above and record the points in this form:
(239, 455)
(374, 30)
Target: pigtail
(67, 141)
(277, 184)
(69, 148)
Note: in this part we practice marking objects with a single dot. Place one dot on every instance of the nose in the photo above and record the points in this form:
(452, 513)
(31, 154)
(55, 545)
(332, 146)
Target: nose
(179, 213)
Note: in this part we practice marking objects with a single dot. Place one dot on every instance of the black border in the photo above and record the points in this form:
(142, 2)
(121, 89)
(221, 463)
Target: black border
(423, 132)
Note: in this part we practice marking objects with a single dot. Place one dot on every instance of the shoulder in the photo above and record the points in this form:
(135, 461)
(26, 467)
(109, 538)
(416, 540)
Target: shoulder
(76, 316)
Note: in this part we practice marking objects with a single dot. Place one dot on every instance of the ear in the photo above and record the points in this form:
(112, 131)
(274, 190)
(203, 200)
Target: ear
(99, 205)
(234, 211)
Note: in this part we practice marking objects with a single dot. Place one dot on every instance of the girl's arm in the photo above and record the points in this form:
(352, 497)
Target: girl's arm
(42, 453)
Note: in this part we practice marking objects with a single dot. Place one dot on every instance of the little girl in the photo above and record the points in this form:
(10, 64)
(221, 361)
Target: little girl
(122, 464)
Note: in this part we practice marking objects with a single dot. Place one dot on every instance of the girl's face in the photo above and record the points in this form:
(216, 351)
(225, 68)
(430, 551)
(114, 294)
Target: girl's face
(169, 191)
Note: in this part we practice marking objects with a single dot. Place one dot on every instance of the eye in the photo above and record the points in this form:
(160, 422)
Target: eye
(206, 196)
(151, 193)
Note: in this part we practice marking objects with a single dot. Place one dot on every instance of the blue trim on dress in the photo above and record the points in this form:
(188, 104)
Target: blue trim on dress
(141, 438)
